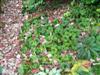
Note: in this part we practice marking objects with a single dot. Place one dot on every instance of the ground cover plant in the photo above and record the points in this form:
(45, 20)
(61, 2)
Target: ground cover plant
(69, 45)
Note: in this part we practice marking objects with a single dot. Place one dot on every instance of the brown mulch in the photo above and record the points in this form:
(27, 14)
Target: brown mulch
(12, 20)
(54, 13)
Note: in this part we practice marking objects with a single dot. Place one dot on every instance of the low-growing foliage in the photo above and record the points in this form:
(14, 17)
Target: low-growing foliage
(31, 5)
(75, 38)
(89, 1)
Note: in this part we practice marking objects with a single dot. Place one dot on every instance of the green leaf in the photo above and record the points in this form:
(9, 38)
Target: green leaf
(21, 70)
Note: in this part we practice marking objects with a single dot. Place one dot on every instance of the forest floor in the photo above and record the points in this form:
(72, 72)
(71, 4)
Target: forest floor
(54, 37)
(10, 44)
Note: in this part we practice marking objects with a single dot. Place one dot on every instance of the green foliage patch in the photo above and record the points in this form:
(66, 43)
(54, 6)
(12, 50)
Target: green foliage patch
(45, 43)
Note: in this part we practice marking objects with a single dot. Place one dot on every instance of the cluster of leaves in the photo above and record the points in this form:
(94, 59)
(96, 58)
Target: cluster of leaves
(89, 1)
(88, 23)
(96, 69)
(46, 43)
(31, 5)
(34, 5)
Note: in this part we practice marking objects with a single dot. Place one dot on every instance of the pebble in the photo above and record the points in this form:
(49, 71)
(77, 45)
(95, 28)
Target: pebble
(18, 56)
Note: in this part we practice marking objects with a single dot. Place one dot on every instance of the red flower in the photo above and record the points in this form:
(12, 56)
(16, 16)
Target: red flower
(50, 19)
(87, 64)
(35, 70)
